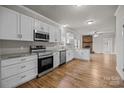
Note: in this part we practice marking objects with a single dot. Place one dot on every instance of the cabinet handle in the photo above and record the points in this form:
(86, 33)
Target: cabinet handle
(23, 76)
(19, 35)
(23, 66)
(23, 59)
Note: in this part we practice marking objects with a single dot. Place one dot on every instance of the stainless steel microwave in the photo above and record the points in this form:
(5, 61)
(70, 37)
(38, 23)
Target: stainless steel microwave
(41, 36)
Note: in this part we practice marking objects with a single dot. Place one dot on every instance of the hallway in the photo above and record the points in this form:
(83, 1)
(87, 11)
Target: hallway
(100, 72)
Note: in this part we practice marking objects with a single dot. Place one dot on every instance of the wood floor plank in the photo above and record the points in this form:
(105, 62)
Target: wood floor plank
(100, 72)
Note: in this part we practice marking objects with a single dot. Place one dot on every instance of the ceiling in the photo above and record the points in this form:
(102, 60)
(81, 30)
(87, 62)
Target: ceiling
(76, 17)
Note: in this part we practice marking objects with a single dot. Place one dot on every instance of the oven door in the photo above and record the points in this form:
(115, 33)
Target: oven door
(45, 63)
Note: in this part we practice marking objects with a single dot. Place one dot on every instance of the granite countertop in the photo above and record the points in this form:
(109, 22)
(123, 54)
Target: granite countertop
(9, 56)
(56, 50)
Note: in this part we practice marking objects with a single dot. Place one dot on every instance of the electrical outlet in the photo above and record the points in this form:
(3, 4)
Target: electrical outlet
(123, 69)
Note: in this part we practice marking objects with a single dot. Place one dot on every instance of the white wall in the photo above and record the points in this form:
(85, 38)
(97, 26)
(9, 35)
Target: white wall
(0, 48)
(98, 42)
(120, 40)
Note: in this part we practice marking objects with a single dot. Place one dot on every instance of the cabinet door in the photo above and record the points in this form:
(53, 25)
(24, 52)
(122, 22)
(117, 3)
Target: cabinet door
(9, 24)
(37, 24)
(67, 56)
(42, 27)
(56, 59)
(47, 28)
(57, 35)
(72, 54)
(63, 36)
(26, 28)
(52, 34)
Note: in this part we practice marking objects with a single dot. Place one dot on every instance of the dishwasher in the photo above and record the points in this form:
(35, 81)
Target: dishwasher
(62, 57)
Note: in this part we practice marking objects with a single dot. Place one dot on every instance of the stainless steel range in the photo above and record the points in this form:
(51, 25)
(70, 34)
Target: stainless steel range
(45, 59)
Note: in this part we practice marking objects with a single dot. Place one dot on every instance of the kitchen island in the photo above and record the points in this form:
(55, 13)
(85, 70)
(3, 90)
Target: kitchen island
(83, 54)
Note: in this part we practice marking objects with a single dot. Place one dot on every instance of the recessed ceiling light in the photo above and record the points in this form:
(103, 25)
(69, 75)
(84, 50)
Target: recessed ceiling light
(90, 22)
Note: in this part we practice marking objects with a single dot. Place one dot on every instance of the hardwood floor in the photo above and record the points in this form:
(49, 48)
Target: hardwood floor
(99, 72)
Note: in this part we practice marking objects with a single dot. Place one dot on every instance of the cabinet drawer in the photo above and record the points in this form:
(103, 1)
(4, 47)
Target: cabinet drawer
(28, 75)
(17, 68)
(17, 60)
(19, 79)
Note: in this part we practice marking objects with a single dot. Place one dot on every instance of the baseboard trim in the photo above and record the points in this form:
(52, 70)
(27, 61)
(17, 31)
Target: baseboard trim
(120, 73)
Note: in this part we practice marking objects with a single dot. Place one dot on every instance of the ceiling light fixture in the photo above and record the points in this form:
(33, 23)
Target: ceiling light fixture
(90, 22)
(95, 34)
(66, 25)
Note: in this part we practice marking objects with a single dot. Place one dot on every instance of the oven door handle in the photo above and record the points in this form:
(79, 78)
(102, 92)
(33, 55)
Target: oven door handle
(45, 56)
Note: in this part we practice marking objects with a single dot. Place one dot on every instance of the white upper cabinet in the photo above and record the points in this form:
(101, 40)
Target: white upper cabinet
(63, 36)
(37, 24)
(47, 28)
(26, 27)
(41, 26)
(57, 35)
(9, 24)
(52, 34)
(69, 38)
(15, 26)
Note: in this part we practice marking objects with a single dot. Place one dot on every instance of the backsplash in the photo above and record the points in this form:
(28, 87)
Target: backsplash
(12, 47)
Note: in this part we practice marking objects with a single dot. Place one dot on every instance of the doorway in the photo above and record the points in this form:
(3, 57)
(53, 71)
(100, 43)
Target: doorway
(107, 45)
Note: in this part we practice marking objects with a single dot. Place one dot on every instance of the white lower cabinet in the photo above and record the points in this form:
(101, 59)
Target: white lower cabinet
(69, 55)
(24, 69)
(18, 79)
(83, 54)
(56, 58)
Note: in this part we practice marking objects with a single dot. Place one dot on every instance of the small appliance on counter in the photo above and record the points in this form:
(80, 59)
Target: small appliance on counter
(45, 59)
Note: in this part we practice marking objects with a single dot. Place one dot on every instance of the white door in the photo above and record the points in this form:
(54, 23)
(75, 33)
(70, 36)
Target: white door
(107, 45)
(9, 24)
(26, 28)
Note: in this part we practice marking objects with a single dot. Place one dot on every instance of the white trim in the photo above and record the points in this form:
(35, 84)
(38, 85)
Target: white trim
(30, 10)
(120, 73)
(117, 10)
